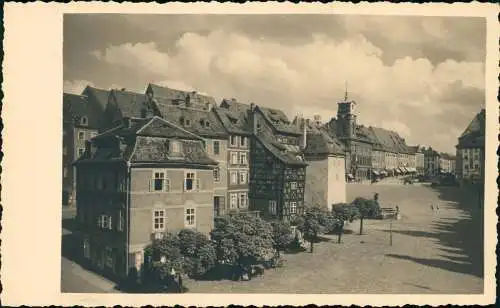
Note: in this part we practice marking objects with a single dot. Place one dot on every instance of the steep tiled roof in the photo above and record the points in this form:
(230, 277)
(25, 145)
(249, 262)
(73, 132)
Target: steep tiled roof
(318, 142)
(76, 107)
(129, 103)
(290, 155)
(234, 117)
(200, 122)
(474, 134)
(363, 134)
(166, 95)
(387, 139)
(279, 120)
(148, 141)
(99, 95)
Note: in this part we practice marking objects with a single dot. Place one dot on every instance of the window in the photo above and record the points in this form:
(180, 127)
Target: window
(65, 150)
(216, 145)
(108, 253)
(232, 140)
(293, 207)
(273, 208)
(217, 174)
(243, 177)
(234, 177)
(65, 172)
(81, 135)
(86, 248)
(84, 121)
(121, 221)
(233, 202)
(81, 151)
(293, 185)
(191, 182)
(243, 200)
(476, 166)
(175, 147)
(160, 182)
(159, 220)
(243, 159)
(190, 217)
(243, 141)
(187, 122)
(234, 158)
(104, 222)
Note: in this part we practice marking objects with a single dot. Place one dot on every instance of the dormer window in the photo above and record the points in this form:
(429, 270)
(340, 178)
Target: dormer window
(84, 121)
(175, 146)
(187, 122)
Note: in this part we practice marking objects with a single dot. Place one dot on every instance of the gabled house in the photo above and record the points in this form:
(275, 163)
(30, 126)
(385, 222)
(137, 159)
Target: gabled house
(126, 104)
(194, 113)
(81, 120)
(470, 159)
(277, 166)
(135, 182)
(234, 117)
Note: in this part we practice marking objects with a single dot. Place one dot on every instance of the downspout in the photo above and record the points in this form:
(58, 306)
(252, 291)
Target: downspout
(127, 218)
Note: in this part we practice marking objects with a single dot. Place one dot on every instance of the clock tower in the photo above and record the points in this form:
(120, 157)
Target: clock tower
(346, 118)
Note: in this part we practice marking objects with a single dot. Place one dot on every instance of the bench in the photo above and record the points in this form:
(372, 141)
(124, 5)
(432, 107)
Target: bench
(388, 212)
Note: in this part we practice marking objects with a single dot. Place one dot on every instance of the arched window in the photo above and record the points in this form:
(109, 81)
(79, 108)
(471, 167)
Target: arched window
(84, 120)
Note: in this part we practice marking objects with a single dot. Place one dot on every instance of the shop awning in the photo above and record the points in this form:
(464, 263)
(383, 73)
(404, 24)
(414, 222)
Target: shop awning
(383, 172)
(405, 170)
(375, 172)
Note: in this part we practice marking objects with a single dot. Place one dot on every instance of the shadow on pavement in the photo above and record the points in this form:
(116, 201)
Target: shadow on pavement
(460, 239)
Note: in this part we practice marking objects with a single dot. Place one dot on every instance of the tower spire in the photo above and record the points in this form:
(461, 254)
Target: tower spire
(345, 95)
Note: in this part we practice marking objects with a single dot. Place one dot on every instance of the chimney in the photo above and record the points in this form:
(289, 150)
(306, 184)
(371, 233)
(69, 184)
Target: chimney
(123, 89)
(253, 118)
(304, 133)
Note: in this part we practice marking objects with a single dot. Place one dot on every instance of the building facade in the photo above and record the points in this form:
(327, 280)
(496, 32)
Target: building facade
(234, 118)
(81, 117)
(195, 113)
(470, 159)
(277, 166)
(134, 183)
(418, 159)
(431, 162)
(325, 175)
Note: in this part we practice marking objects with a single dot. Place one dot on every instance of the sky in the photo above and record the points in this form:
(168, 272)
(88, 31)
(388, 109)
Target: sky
(422, 77)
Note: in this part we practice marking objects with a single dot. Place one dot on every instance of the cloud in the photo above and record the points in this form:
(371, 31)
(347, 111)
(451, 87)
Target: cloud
(139, 55)
(75, 86)
(311, 78)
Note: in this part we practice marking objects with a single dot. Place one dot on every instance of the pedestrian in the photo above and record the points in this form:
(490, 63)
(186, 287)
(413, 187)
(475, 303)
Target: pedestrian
(432, 207)
(437, 207)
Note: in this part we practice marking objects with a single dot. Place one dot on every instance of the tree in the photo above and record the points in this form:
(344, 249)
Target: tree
(242, 240)
(166, 257)
(198, 252)
(367, 209)
(282, 235)
(344, 212)
(314, 222)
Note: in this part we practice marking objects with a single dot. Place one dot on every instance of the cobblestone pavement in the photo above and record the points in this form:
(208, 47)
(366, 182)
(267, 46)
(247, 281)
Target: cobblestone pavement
(433, 251)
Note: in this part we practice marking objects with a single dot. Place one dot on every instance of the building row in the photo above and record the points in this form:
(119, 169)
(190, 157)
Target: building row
(168, 159)
(140, 164)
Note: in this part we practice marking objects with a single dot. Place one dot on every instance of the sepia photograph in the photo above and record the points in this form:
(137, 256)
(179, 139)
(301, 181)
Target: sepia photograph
(273, 153)
(257, 154)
